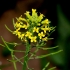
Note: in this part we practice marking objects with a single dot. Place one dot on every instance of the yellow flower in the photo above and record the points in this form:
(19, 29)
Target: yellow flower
(33, 39)
(45, 39)
(27, 14)
(16, 32)
(49, 29)
(34, 25)
(40, 17)
(33, 10)
(46, 29)
(41, 35)
(19, 34)
(22, 35)
(46, 21)
(21, 19)
(36, 30)
(28, 34)
(25, 26)
(17, 25)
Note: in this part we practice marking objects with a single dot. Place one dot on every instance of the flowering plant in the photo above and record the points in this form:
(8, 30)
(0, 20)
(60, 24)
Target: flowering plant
(33, 31)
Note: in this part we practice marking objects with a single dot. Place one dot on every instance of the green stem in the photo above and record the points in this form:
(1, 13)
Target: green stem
(26, 58)
(12, 51)
(13, 60)
(46, 66)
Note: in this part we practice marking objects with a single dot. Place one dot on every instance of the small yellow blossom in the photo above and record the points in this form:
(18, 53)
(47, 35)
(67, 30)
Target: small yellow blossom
(45, 39)
(21, 23)
(45, 29)
(33, 39)
(36, 30)
(41, 35)
(19, 34)
(40, 17)
(22, 35)
(33, 10)
(25, 26)
(17, 25)
(28, 34)
(46, 21)
(49, 29)
(16, 32)
(27, 14)
(21, 19)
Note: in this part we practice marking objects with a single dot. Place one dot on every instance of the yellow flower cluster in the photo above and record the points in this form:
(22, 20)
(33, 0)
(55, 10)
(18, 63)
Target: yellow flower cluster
(36, 28)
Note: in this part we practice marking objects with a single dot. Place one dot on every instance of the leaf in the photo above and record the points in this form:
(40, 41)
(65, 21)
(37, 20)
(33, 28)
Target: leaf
(42, 56)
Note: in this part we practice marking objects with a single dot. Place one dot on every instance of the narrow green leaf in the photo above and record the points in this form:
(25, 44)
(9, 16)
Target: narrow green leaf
(46, 66)
(8, 28)
(52, 68)
(42, 56)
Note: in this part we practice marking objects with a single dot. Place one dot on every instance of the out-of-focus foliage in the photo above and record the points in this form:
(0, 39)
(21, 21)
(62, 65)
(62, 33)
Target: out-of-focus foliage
(62, 59)
(6, 52)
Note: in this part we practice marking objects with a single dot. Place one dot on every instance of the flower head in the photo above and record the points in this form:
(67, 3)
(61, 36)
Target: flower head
(35, 27)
